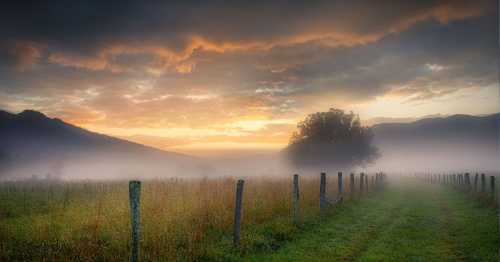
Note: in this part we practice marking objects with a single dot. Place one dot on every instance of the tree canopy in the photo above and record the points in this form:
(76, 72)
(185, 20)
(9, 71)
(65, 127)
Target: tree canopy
(331, 139)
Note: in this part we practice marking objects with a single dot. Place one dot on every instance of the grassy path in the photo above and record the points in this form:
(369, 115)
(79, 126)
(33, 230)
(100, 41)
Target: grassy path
(407, 222)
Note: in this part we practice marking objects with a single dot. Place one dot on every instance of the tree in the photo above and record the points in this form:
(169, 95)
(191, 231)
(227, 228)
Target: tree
(331, 139)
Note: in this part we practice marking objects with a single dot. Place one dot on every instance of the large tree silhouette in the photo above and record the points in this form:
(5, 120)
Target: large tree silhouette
(331, 139)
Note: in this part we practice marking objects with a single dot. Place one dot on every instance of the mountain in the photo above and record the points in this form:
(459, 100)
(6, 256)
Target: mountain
(453, 128)
(456, 142)
(33, 144)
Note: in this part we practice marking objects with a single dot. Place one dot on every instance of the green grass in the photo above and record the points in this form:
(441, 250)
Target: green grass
(181, 219)
(192, 221)
(408, 222)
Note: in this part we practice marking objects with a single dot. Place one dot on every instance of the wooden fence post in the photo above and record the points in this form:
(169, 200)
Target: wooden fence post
(483, 183)
(366, 183)
(361, 182)
(352, 185)
(237, 213)
(492, 186)
(341, 186)
(476, 178)
(467, 181)
(295, 198)
(322, 194)
(135, 216)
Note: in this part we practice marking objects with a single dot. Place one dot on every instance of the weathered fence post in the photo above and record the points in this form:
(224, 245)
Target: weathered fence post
(483, 183)
(476, 178)
(322, 193)
(352, 188)
(295, 198)
(341, 187)
(134, 190)
(361, 182)
(492, 187)
(366, 183)
(467, 181)
(237, 213)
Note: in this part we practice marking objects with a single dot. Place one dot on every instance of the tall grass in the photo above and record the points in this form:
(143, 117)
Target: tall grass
(181, 219)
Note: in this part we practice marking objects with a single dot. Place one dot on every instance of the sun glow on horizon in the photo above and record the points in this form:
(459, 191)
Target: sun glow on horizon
(191, 82)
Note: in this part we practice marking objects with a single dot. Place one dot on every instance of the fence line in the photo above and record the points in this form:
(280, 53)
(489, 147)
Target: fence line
(480, 186)
(377, 184)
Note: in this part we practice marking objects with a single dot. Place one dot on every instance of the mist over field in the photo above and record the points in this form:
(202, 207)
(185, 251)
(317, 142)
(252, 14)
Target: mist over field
(228, 131)
(34, 146)
(457, 143)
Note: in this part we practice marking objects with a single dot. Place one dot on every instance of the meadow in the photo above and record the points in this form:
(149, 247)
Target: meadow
(191, 219)
(181, 219)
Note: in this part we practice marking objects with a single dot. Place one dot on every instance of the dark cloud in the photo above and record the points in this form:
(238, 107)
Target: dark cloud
(19, 55)
(89, 34)
(451, 56)
(136, 64)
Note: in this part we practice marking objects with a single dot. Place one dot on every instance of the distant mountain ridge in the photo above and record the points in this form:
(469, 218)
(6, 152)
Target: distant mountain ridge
(33, 144)
(35, 125)
(451, 127)
(51, 146)
(457, 141)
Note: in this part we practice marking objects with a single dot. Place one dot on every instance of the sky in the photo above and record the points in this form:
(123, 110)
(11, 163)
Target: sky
(203, 77)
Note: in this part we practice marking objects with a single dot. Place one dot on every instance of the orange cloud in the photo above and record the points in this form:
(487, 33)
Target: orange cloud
(22, 54)
(326, 32)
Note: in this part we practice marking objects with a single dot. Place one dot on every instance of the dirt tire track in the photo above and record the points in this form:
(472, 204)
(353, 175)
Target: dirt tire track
(448, 244)
(360, 245)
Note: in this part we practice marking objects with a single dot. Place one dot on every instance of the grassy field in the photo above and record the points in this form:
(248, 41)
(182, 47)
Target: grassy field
(408, 222)
(191, 220)
(181, 219)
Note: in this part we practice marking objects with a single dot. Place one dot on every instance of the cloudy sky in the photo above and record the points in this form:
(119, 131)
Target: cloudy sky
(203, 76)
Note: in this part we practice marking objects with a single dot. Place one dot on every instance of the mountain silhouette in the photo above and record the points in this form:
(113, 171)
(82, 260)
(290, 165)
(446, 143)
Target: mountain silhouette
(455, 128)
(33, 144)
(457, 142)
